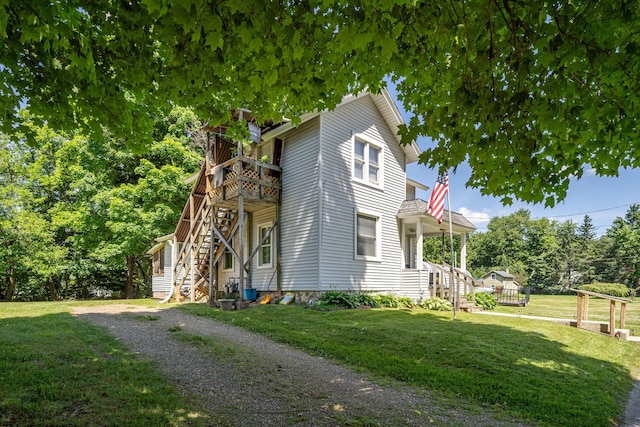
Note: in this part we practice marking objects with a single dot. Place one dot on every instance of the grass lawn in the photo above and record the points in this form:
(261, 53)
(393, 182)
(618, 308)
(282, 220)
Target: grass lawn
(58, 371)
(565, 307)
(539, 371)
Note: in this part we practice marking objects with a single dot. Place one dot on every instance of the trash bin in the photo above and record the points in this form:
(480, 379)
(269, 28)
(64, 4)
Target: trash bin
(250, 294)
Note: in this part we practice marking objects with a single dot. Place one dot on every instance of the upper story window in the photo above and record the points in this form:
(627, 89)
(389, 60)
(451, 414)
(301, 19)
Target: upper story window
(367, 161)
(493, 276)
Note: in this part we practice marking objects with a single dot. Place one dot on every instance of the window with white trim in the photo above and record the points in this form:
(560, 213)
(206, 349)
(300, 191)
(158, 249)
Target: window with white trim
(158, 263)
(367, 230)
(265, 251)
(227, 263)
(367, 161)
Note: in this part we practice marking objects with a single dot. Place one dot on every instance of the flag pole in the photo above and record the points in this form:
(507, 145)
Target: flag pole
(454, 284)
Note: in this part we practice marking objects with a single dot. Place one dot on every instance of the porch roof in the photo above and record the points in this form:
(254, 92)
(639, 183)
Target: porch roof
(161, 243)
(418, 208)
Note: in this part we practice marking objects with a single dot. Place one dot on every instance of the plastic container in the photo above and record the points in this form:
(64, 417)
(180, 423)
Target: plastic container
(250, 294)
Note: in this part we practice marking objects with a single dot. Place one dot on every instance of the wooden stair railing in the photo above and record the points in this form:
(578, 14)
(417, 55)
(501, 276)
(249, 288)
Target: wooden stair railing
(443, 280)
(200, 240)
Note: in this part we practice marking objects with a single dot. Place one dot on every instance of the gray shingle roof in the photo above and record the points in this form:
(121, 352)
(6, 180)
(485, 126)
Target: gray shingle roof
(501, 273)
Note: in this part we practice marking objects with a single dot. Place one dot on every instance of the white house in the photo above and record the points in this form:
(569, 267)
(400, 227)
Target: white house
(324, 205)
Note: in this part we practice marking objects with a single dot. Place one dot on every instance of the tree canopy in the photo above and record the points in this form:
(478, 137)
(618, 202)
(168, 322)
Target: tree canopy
(528, 93)
(77, 217)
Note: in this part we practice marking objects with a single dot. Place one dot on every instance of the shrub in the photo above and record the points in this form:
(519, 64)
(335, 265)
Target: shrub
(366, 299)
(405, 302)
(353, 300)
(486, 300)
(613, 289)
(436, 304)
(339, 298)
(386, 300)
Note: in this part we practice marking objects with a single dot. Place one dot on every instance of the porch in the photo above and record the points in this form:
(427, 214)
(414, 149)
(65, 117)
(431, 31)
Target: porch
(258, 183)
(426, 279)
(439, 280)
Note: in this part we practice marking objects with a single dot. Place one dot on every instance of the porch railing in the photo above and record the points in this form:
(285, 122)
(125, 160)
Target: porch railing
(512, 297)
(244, 176)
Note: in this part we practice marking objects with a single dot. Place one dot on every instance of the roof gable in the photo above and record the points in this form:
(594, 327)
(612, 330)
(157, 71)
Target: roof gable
(388, 110)
(500, 273)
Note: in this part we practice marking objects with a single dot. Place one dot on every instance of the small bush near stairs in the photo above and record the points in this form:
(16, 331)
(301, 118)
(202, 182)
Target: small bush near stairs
(436, 304)
(486, 300)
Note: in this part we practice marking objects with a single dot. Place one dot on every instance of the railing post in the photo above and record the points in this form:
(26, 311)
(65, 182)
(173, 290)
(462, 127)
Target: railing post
(579, 314)
(612, 318)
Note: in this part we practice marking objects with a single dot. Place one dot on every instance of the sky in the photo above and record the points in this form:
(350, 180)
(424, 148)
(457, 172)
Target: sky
(602, 198)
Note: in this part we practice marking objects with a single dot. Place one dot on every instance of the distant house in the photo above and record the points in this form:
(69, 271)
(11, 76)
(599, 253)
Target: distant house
(324, 205)
(498, 280)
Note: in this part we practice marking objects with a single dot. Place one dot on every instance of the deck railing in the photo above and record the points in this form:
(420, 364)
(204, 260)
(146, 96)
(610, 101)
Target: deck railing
(244, 176)
(512, 297)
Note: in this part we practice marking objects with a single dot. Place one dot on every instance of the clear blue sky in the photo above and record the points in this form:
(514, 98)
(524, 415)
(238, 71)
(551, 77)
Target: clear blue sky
(602, 198)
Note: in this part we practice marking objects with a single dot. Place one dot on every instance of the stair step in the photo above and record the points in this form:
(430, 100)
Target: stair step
(471, 308)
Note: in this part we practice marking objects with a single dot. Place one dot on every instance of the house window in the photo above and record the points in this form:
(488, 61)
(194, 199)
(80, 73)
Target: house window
(367, 162)
(265, 252)
(227, 263)
(158, 263)
(493, 276)
(367, 236)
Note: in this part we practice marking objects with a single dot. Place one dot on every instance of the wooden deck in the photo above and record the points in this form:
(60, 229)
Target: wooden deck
(259, 184)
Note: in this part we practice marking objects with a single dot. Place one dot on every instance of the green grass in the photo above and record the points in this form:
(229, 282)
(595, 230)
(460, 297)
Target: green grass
(565, 307)
(539, 371)
(56, 370)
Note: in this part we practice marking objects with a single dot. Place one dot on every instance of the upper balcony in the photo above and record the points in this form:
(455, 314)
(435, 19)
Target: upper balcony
(258, 183)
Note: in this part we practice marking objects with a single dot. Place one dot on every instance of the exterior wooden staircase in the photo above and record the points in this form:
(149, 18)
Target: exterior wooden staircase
(208, 225)
(440, 284)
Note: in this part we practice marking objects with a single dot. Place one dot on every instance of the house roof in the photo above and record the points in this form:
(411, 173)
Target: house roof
(417, 184)
(501, 273)
(161, 243)
(419, 207)
(388, 110)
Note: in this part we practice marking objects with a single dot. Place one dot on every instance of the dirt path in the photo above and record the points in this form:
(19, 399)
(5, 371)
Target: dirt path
(248, 380)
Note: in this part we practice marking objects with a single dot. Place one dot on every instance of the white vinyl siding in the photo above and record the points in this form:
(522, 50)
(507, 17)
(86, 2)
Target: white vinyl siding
(343, 194)
(263, 277)
(162, 282)
(299, 214)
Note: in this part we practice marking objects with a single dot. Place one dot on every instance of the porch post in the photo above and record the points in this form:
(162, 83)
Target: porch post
(212, 252)
(240, 168)
(463, 251)
(403, 245)
(241, 251)
(192, 251)
(419, 246)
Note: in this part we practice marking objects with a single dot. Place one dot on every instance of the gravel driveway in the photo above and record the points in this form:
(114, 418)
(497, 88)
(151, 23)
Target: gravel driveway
(249, 380)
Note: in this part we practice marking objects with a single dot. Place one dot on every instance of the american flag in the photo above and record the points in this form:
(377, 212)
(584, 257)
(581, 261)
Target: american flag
(436, 201)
